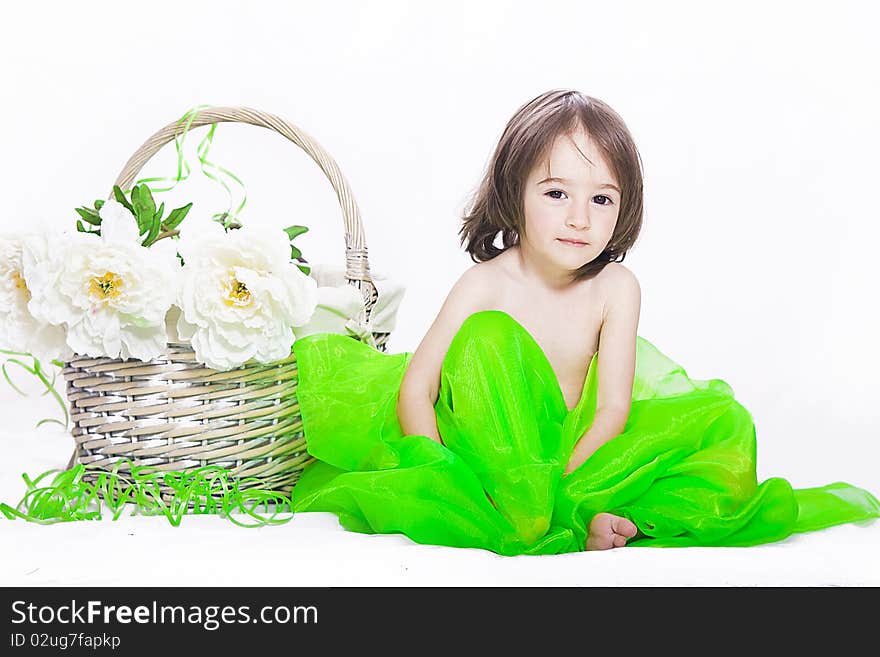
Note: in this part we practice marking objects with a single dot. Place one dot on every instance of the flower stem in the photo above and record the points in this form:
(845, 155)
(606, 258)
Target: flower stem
(167, 233)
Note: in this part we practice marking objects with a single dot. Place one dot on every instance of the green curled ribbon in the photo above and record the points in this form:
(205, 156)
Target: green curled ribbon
(36, 370)
(200, 491)
(225, 218)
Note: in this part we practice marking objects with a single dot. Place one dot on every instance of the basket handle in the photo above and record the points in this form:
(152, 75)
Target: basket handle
(357, 265)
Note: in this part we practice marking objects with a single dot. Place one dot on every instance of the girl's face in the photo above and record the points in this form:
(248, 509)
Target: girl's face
(580, 202)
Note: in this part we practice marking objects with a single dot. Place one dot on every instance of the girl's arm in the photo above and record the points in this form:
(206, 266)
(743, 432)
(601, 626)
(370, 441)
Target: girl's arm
(616, 362)
(421, 381)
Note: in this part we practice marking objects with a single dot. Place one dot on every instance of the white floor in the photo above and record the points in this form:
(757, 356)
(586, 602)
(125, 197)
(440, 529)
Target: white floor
(313, 550)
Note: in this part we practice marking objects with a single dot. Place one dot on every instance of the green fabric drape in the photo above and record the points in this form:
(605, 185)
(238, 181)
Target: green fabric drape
(683, 470)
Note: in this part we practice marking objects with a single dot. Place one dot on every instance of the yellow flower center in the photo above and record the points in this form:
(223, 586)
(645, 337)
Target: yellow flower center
(20, 284)
(108, 286)
(237, 293)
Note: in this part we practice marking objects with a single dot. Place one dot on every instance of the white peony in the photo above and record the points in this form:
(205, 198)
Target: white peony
(19, 329)
(241, 294)
(110, 292)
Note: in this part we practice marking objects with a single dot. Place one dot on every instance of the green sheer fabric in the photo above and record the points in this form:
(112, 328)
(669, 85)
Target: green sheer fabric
(683, 470)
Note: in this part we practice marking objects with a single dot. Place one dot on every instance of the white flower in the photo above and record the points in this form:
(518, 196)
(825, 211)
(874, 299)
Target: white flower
(241, 295)
(19, 329)
(111, 292)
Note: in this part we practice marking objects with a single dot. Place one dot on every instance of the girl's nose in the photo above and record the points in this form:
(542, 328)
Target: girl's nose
(580, 216)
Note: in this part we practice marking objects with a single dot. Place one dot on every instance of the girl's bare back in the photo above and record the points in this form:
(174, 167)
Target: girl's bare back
(566, 325)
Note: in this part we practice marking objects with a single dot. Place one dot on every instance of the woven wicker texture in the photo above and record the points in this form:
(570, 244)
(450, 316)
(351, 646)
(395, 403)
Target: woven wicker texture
(174, 413)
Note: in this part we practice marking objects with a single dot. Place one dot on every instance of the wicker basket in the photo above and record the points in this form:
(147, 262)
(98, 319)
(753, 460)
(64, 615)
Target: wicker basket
(175, 414)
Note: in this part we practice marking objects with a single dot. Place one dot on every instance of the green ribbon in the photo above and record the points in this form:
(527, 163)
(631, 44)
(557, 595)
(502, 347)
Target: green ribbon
(37, 371)
(200, 491)
(226, 218)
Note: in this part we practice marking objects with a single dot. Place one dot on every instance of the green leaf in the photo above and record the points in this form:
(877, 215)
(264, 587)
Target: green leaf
(144, 207)
(176, 216)
(117, 192)
(154, 231)
(82, 229)
(89, 215)
(99, 203)
(293, 231)
(147, 194)
(159, 212)
(294, 252)
(138, 209)
(305, 269)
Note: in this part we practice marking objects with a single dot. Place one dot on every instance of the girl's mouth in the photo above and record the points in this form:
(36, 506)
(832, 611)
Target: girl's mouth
(571, 243)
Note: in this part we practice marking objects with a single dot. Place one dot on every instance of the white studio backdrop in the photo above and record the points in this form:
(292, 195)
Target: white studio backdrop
(756, 123)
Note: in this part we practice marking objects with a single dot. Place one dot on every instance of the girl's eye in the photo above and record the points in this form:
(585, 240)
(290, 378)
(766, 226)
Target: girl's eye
(559, 191)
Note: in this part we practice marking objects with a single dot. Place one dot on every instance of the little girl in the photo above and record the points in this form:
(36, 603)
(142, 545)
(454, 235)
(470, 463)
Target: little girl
(532, 418)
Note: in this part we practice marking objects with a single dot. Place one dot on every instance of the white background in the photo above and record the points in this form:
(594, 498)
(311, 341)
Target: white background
(757, 125)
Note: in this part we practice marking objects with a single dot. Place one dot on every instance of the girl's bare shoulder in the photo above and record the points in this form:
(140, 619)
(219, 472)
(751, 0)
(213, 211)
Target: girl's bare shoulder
(615, 284)
(616, 276)
(616, 271)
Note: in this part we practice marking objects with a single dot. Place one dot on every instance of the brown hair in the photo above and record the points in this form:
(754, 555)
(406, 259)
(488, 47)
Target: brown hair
(497, 205)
